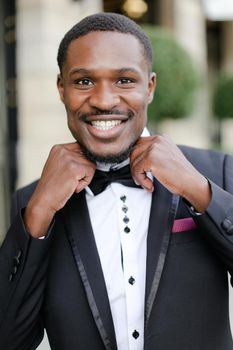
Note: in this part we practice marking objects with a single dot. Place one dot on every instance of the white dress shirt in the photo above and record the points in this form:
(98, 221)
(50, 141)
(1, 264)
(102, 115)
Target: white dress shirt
(120, 217)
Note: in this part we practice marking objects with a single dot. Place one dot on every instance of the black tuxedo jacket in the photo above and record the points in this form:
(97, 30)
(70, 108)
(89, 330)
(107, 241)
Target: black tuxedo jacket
(58, 284)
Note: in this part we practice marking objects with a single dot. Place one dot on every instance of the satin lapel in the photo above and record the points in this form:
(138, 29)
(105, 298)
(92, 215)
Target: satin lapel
(84, 249)
(163, 210)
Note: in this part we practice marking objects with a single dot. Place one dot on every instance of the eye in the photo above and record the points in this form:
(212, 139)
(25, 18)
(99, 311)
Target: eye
(123, 81)
(83, 82)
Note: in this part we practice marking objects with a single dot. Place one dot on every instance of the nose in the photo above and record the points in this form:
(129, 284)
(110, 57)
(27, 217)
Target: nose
(104, 97)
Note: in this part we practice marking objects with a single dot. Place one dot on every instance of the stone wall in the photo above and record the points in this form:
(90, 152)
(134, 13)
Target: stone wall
(42, 119)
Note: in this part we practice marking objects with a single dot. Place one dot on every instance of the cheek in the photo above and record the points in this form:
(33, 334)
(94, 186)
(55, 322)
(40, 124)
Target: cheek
(71, 126)
(74, 126)
(140, 109)
(73, 99)
(140, 100)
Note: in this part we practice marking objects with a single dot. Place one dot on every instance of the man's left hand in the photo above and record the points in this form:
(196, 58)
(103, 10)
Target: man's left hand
(159, 155)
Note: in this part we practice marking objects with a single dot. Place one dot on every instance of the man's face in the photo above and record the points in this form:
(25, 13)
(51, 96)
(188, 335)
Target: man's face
(106, 87)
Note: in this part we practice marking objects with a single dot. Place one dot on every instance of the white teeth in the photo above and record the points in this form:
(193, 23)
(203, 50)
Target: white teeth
(105, 125)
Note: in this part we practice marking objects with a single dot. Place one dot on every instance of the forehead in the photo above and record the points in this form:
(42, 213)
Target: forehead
(106, 49)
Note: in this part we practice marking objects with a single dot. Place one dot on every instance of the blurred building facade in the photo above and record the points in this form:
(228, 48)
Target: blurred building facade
(40, 119)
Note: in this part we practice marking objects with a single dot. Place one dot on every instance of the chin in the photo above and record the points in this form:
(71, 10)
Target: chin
(107, 158)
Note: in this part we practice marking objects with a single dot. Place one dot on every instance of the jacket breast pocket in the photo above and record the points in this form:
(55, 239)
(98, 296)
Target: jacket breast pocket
(184, 231)
(185, 237)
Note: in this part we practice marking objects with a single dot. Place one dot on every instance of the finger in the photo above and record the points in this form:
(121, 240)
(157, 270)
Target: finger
(81, 186)
(163, 138)
(143, 180)
(137, 153)
(141, 146)
(140, 166)
(84, 182)
(76, 148)
(139, 174)
(141, 163)
(145, 139)
(72, 146)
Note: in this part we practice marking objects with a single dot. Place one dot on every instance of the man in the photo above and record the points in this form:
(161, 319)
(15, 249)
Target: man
(104, 260)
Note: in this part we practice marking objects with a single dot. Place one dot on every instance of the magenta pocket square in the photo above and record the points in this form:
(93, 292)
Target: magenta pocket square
(181, 225)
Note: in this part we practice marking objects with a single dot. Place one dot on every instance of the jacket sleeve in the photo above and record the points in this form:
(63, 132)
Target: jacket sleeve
(23, 265)
(217, 222)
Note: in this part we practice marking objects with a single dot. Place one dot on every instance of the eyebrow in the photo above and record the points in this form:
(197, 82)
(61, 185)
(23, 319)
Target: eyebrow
(80, 71)
(126, 70)
(84, 71)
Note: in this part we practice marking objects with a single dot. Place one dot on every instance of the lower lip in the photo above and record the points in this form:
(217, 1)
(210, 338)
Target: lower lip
(106, 134)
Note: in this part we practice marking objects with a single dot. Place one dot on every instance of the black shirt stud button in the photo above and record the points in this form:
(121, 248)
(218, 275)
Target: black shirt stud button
(127, 229)
(126, 219)
(131, 280)
(135, 334)
(124, 208)
(123, 198)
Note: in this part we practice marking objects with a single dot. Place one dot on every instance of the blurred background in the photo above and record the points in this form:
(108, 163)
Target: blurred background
(193, 58)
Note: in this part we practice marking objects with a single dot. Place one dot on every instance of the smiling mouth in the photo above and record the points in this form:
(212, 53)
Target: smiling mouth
(105, 124)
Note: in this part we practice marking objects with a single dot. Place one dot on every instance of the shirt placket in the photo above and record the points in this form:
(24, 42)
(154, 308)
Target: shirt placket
(131, 275)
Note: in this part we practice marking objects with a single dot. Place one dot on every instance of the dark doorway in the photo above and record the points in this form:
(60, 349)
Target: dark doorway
(8, 107)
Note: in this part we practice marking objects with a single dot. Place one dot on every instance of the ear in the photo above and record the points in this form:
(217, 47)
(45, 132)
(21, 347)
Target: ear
(151, 86)
(60, 86)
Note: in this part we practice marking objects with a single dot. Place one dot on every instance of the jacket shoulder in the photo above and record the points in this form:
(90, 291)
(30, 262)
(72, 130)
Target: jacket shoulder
(210, 163)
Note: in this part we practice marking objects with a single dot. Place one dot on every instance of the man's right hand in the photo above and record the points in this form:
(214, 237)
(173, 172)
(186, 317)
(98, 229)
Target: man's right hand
(66, 171)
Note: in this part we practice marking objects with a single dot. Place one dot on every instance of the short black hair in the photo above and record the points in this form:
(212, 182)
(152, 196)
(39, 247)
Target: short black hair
(111, 22)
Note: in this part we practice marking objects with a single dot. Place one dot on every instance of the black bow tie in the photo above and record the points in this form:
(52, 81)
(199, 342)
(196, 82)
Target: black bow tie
(102, 179)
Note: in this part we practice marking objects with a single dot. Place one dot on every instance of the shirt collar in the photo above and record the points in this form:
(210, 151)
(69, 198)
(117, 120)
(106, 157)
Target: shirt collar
(115, 166)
